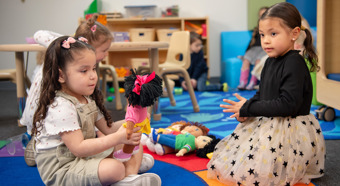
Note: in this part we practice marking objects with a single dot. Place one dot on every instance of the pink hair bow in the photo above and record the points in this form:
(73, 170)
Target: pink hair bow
(142, 80)
(94, 28)
(66, 43)
(83, 39)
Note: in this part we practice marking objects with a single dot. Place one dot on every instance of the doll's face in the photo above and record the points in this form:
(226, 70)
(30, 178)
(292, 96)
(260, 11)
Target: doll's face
(192, 129)
(201, 141)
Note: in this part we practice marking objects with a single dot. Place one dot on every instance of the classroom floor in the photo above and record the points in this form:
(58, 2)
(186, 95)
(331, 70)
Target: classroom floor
(9, 128)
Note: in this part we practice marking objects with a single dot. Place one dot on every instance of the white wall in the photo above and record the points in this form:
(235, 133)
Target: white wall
(21, 18)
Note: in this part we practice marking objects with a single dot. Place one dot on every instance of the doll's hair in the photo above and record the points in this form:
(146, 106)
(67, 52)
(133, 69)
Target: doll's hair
(182, 122)
(57, 57)
(95, 32)
(208, 148)
(149, 92)
(204, 129)
(291, 18)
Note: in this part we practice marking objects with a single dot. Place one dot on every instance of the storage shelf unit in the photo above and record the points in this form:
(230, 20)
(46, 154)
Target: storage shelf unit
(123, 58)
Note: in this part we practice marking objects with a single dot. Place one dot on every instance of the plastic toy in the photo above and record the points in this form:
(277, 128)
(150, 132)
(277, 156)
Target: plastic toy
(193, 27)
(110, 98)
(121, 90)
(112, 90)
(178, 91)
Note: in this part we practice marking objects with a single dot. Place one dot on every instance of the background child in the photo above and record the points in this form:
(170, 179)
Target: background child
(70, 106)
(253, 55)
(278, 141)
(198, 68)
(96, 34)
(100, 37)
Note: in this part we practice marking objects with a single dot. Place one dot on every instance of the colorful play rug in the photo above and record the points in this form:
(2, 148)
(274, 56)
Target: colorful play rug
(211, 115)
(187, 170)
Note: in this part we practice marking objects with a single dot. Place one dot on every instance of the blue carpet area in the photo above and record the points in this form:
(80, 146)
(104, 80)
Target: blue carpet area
(211, 114)
(14, 171)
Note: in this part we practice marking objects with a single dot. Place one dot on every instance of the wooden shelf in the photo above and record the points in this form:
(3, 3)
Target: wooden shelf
(123, 58)
(328, 45)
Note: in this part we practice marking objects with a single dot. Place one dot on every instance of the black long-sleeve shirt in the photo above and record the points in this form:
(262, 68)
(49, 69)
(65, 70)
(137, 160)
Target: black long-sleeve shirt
(285, 89)
(197, 66)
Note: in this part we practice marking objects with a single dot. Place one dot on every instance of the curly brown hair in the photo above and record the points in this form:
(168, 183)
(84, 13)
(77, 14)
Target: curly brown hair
(56, 58)
(204, 129)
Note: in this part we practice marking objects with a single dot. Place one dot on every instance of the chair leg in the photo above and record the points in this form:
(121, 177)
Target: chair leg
(168, 89)
(103, 84)
(191, 92)
(116, 87)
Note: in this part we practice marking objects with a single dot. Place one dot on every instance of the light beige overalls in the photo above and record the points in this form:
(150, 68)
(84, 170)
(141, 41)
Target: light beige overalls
(59, 166)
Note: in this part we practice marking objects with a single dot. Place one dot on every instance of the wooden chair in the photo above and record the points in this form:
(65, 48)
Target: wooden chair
(10, 75)
(177, 62)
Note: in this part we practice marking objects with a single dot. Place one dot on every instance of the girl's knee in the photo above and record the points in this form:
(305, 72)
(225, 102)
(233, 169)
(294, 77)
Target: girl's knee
(110, 171)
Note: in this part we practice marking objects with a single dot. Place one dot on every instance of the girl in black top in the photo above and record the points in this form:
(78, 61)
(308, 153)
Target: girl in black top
(278, 141)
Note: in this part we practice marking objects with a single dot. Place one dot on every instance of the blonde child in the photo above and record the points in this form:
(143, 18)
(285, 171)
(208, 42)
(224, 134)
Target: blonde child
(100, 38)
(70, 106)
(278, 141)
(198, 70)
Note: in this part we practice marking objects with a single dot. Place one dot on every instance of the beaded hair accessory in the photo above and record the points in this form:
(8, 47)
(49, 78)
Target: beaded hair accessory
(66, 43)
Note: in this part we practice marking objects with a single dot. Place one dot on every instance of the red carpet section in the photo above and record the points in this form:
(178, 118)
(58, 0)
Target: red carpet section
(193, 164)
(189, 161)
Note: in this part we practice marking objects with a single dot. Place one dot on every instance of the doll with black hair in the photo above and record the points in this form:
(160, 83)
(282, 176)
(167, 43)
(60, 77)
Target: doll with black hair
(141, 92)
(208, 148)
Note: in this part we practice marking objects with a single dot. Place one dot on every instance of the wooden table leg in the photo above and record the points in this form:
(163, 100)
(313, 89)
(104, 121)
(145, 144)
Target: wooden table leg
(21, 95)
(154, 62)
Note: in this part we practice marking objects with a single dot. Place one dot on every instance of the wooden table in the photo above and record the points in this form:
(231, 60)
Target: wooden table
(19, 50)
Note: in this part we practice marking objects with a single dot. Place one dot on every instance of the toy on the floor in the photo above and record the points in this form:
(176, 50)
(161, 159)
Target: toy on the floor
(181, 143)
(178, 91)
(173, 128)
(110, 98)
(207, 151)
(195, 129)
(112, 90)
(141, 91)
(121, 90)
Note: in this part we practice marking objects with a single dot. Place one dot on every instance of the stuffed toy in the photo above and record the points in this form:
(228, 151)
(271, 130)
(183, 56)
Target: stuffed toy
(141, 91)
(207, 150)
(194, 128)
(173, 128)
(181, 143)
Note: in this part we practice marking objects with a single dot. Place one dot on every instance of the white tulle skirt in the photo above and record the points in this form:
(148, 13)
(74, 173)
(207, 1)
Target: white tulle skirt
(270, 151)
